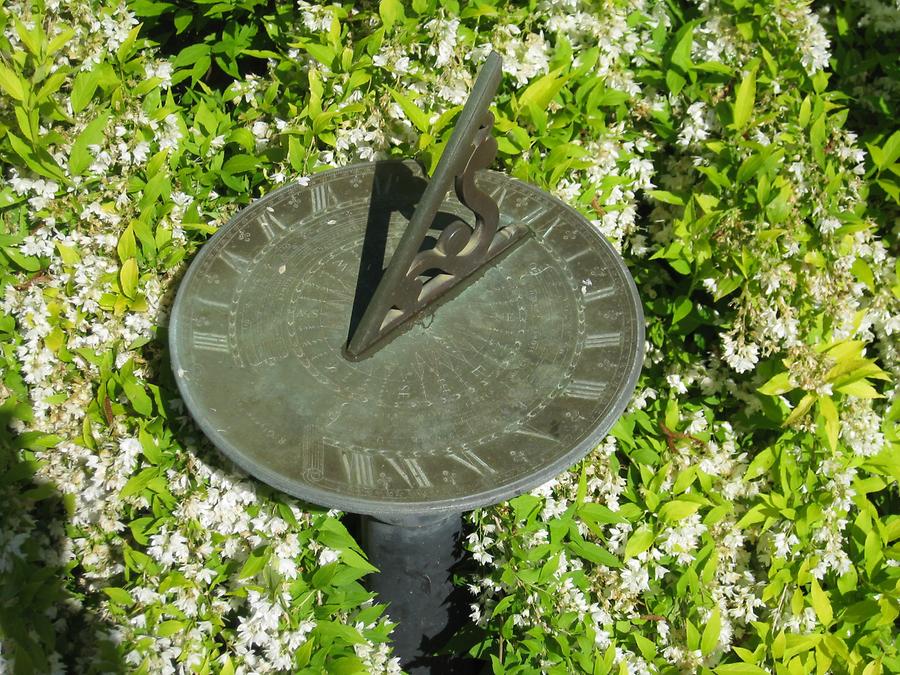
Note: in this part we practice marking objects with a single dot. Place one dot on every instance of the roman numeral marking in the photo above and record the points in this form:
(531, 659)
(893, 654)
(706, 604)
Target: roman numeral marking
(599, 294)
(529, 430)
(321, 196)
(472, 462)
(585, 389)
(236, 262)
(409, 470)
(312, 450)
(500, 195)
(602, 340)
(210, 341)
(271, 226)
(358, 468)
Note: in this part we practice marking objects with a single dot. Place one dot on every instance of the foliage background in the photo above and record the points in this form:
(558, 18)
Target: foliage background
(742, 155)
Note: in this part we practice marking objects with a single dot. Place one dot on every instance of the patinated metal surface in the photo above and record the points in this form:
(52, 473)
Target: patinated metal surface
(507, 385)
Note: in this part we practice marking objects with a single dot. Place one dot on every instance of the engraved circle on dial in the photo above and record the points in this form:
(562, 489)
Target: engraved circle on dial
(497, 391)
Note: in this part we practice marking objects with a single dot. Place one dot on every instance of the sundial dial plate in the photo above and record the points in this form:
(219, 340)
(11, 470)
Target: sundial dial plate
(500, 389)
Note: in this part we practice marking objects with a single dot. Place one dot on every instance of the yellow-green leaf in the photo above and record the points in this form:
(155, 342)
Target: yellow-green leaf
(678, 509)
(743, 103)
(11, 84)
(801, 409)
(740, 669)
(711, 633)
(832, 424)
(415, 114)
(860, 389)
(128, 277)
(821, 604)
(127, 246)
(68, 254)
(640, 541)
(543, 90)
(779, 384)
(391, 11)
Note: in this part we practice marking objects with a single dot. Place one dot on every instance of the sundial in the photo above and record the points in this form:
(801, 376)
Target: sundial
(408, 347)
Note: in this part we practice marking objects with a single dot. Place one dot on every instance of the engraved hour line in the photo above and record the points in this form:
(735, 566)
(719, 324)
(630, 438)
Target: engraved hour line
(359, 469)
(533, 215)
(585, 389)
(213, 303)
(547, 231)
(236, 262)
(471, 461)
(599, 294)
(500, 196)
(413, 475)
(602, 340)
(575, 256)
(268, 223)
(210, 341)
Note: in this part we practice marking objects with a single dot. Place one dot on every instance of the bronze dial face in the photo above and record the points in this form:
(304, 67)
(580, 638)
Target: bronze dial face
(500, 389)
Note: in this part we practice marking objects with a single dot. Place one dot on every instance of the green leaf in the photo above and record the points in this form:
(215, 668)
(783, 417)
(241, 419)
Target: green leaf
(832, 424)
(859, 389)
(543, 90)
(760, 464)
(594, 553)
(136, 393)
(711, 633)
(80, 157)
(743, 104)
(128, 277)
(640, 541)
(740, 669)
(677, 509)
(240, 164)
(68, 254)
(817, 139)
(119, 595)
(600, 514)
(83, 89)
(801, 409)
(890, 150)
(254, 564)
(872, 551)
(681, 55)
(411, 110)
(391, 11)
(667, 197)
(11, 84)
(779, 384)
(127, 246)
(821, 604)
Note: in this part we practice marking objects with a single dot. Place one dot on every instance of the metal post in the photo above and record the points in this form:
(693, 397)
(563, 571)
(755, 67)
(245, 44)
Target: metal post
(415, 556)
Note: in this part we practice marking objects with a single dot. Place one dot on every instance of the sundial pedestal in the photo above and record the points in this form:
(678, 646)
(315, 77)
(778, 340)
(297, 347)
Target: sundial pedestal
(369, 342)
(415, 558)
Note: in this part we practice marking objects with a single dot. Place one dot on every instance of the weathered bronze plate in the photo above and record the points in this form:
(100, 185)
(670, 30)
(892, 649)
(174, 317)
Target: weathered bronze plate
(501, 388)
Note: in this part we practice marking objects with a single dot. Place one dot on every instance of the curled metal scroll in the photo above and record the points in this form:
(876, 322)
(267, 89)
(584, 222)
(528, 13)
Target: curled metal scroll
(460, 249)
(415, 279)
